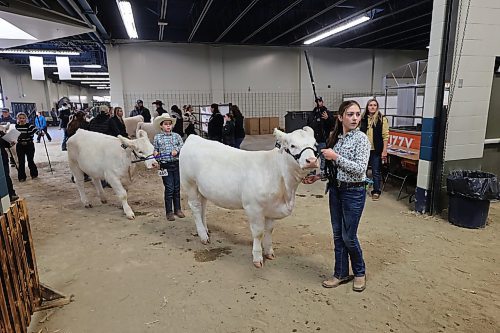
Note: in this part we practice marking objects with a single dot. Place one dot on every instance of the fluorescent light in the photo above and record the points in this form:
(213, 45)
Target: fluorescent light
(107, 88)
(427, 47)
(83, 66)
(89, 79)
(10, 31)
(36, 66)
(63, 68)
(337, 29)
(86, 73)
(94, 82)
(39, 52)
(128, 18)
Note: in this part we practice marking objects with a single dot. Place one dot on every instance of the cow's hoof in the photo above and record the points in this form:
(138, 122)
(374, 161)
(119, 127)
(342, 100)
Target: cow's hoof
(131, 217)
(205, 241)
(258, 264)
(270, 256)
(89, 205)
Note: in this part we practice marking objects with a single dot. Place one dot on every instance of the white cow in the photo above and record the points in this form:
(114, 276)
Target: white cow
(104, 157)
(131, 124)
(12, 150)
(149, 128)
(263, 183)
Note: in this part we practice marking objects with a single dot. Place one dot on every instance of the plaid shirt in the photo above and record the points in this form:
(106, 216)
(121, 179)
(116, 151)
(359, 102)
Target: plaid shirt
(165, 143)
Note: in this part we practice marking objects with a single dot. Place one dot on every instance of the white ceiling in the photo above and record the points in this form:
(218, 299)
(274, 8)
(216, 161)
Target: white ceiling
(42, 30)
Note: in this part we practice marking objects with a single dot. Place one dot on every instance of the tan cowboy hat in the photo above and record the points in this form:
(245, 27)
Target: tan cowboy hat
(158, 120)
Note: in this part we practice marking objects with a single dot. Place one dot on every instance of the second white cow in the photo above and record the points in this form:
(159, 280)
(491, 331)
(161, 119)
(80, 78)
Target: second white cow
(131, 125)
(104, 157)
(263, 183)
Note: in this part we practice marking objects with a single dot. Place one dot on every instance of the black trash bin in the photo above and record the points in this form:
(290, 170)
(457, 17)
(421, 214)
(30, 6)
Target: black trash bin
(470, 193)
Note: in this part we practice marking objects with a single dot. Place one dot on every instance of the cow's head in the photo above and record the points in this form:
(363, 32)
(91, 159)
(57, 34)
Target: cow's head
(299, 145)
(141, 147)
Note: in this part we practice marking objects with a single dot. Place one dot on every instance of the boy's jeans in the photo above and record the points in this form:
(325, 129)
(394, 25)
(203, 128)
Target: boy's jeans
(172, 186)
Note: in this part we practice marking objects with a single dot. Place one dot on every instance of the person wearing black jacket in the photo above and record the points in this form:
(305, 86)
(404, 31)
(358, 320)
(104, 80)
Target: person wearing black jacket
(215, 124)
(239, 129)
(101, 122)
(321, 121)
(116, 124)
(228, 130)
(25, 148)
(140, 110)
(179, 123)
(159, 108)
(4, 145)
(64, 113)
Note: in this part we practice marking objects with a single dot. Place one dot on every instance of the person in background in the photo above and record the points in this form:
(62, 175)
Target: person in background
(167, 146)
(6, 117)
(25, 148)
(346, 161)
(239, 129)
(140, 110)
(189, 119)
(159, 107)
(4, 145)
(179, 122)
(376, 127)
(101, 122)
(228, 130)
(321, 121)
(41, 125)
(64, 114)
(215, 124)
(116, 124)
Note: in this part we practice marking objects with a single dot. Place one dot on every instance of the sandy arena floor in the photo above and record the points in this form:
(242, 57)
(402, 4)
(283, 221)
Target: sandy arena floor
(150, 275)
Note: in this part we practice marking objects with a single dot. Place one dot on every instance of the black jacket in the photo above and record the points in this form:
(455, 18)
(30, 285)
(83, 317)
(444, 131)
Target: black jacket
(161, 110)
(144, 112)
(378, 141)
(239, 129)
(228, 133)
(321, 127)
(179, 123)
(64, 116)
(117, 127)
(100, 124)
(215, 125)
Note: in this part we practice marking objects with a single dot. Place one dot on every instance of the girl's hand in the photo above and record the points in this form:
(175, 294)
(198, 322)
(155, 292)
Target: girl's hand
(310, 179)
(155, 153)
(174, 153)
(384, 157)
(329, 154)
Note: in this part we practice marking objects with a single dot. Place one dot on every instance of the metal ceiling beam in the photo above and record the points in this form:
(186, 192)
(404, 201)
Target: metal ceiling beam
(406, 38)
(307, 20)
(93, 35)
(236, 20)
(283, 12)
(4, 3)
(200, 19)
(163, 15)
(389, 15)
(424, 42)
(340, 22)
(93, 17)
(394, 34)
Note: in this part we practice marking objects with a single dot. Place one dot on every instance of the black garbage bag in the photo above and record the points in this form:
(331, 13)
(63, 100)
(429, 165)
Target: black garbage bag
(477, 185)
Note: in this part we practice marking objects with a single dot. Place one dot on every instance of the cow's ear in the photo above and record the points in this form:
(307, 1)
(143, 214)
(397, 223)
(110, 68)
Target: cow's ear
(308, 130)
(141, 134)
(281, 137)
(126, 142)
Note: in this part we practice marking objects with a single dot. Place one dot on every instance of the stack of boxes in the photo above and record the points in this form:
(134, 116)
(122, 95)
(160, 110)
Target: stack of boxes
(260, 126)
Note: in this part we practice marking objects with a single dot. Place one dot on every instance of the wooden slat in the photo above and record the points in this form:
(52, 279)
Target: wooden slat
(5, 322)
(16, 258)
(30, 251)
(10, 286)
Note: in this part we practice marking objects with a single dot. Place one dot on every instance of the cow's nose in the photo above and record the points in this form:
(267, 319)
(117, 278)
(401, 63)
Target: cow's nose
(311, 160)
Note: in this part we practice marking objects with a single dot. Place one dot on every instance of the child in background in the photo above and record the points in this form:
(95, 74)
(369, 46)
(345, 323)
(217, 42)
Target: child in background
(25, 147)
(167, 147)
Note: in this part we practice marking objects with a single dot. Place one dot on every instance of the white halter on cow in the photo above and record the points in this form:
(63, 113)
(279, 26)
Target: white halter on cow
(263, 183)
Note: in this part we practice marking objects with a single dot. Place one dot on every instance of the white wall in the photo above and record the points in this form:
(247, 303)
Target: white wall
(17, 81)
(146, 70)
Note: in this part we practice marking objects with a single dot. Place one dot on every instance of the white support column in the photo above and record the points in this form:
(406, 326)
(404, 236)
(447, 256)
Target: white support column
(115, 76)
(216, 61)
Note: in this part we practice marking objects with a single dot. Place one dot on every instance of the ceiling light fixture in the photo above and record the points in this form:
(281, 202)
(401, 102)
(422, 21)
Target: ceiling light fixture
(128, 18)
(39, 52)
(89, 79)
(10, 31)
(82, 66)
(107, 88)
(85, 73)
(96, 82)
(337, 29)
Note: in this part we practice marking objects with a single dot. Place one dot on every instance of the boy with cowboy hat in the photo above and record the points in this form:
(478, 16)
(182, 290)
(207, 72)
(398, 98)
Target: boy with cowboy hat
(167, 145)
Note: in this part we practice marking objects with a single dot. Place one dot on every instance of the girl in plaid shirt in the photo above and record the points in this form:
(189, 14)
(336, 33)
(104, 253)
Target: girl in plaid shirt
(167, 147)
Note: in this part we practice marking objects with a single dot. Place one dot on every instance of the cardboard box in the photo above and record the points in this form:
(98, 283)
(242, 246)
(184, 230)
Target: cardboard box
(264, 125)
(252, 126)
(274, 122)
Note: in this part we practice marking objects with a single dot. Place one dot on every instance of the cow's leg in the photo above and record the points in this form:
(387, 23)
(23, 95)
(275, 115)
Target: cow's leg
(203, 202)
(197, 203)
(99, 189)
(257, 226)
(79, 180)
(267, 241)
(122, 195)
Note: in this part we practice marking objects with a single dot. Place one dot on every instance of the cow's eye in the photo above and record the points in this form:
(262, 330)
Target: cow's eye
(292, 146)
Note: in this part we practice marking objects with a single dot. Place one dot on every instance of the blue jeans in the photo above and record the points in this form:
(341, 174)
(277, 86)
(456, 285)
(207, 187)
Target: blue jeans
(319, 146)
(172, 186)
(65, 139)
(346, 207)
(238, 141)
(376, 163)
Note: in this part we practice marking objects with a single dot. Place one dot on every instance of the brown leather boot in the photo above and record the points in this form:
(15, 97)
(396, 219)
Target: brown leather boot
(335, 282)
(359, 283)
(180, 214)
(170, 216)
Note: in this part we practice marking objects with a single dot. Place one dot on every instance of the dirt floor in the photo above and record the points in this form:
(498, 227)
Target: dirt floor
(150, 275)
